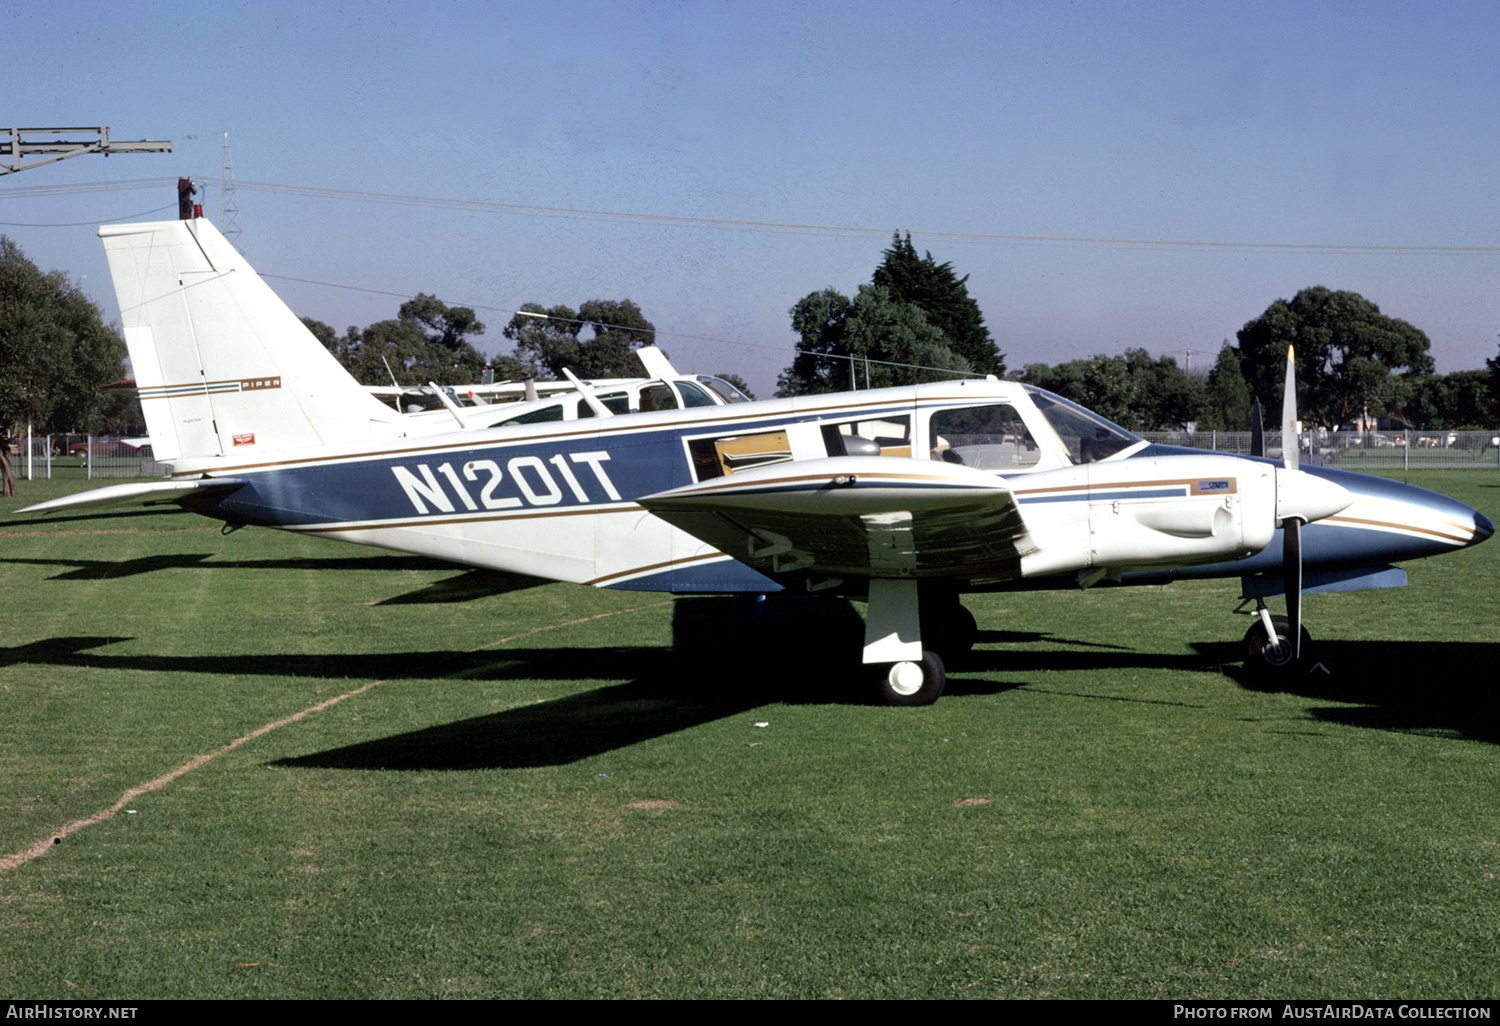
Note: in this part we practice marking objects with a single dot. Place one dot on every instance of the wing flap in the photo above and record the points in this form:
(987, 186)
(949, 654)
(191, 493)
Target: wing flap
(858, 517)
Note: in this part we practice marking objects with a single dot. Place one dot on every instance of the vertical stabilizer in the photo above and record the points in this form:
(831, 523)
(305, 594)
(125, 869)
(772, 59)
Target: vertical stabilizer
(223, 367)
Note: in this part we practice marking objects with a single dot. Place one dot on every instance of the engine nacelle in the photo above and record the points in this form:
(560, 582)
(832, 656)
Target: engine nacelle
(1136, 513)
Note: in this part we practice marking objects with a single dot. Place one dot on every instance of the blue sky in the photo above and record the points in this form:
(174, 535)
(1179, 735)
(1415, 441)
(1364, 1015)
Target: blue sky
(1306, 123)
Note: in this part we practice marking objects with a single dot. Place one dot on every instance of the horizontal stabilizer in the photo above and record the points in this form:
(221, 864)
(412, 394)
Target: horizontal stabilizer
(138, 493)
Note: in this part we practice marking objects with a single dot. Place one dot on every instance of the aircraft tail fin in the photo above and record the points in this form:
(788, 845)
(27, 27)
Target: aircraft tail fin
(656, 363)
(223, 367)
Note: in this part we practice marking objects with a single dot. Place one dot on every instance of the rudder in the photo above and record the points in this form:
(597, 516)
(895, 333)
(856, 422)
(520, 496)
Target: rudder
(222, 365)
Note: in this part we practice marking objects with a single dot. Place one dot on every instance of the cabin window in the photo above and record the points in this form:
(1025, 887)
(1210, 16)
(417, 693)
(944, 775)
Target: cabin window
(724, 389)
(984, 437)
(718, 457)
(614, 402)
(537, 416)
(883, 436)
(692, 395)
(657, 397)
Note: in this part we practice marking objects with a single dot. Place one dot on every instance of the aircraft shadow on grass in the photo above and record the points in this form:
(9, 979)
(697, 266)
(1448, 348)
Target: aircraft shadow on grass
(32, 523)
(724, 665)
(465, 587)
(1439, 688)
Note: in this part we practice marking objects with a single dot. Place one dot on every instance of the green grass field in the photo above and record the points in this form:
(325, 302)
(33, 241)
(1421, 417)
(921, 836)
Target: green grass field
(541, 799)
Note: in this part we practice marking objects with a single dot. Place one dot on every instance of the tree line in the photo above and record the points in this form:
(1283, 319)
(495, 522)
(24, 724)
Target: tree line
(913, 321)
(1352, 360)
(429, 341)
(56, 354)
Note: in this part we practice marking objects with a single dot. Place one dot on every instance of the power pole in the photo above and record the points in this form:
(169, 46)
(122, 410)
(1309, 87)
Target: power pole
(13, 147)
(229, 210)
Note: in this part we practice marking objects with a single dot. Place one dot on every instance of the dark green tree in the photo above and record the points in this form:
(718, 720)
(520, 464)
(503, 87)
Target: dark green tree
(56, 353)
(546, 338)
(822, 363)
(848, 343)
(944, 298)
(427, 341)
(550, 338)
(916, 311)
(1227, 394)
(394, 349)
(1348, 354)
(446, 326)
(1493, 364)
(1458, 400)
(619, 330)
(447, 330)
(1168, 399)
(1132, 389)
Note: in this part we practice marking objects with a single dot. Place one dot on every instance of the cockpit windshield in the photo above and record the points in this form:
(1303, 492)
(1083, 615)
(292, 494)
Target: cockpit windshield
(725, 390)
(1088, 436)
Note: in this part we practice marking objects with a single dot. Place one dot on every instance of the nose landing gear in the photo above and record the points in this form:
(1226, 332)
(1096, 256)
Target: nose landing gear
(1270, 656)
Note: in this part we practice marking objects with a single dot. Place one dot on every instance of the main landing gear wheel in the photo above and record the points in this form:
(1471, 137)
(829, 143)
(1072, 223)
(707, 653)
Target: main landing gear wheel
(1269, 660)
(913, 683)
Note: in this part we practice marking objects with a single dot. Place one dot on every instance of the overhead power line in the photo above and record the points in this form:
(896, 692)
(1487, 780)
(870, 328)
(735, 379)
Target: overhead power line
(26, 191)
(80, 224)
(781, 227)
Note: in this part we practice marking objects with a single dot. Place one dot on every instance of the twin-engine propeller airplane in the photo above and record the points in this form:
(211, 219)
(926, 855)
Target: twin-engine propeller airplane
(907, 496)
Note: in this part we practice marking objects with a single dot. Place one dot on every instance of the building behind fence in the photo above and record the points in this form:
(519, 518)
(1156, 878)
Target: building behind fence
(111, 456)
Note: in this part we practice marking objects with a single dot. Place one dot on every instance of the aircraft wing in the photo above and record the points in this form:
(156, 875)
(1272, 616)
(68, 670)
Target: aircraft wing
(857, 516)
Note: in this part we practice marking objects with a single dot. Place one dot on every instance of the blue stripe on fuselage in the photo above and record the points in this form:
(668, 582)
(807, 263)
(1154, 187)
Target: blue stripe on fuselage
(369, 488)
(507, 478)
(1082, 496)
(1331, 546)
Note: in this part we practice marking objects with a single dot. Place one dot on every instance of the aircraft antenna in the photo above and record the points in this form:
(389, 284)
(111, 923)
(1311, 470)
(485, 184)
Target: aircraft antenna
(229, 210)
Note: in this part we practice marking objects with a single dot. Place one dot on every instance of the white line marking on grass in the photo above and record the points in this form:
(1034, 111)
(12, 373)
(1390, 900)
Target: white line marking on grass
(42, 847)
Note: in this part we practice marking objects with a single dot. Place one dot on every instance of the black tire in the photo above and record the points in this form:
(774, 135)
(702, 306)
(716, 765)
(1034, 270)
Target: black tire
(1269, 661)
(898, 686)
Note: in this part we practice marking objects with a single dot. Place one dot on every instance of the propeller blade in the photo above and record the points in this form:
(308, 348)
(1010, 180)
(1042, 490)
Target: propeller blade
(1291, 527)
(1257, 429)
(1289, 416)
(1291, 580)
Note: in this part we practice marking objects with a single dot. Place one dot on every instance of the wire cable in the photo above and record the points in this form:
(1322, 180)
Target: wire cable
(741, 224)
(81, 224)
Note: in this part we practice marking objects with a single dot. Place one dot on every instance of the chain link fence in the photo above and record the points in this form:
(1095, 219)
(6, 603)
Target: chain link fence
(83, 455)
(95, 456)
(1360, 450)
